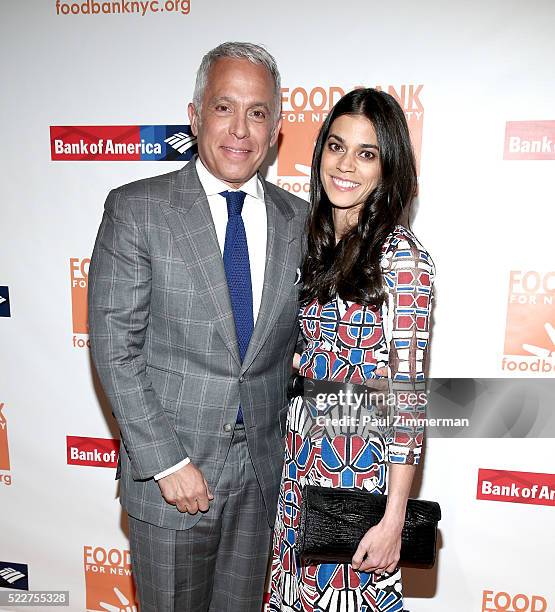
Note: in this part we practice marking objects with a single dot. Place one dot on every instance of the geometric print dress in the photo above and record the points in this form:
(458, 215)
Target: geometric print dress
(347, 342)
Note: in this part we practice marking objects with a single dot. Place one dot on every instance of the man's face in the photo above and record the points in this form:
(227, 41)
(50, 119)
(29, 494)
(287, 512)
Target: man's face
(235, 126)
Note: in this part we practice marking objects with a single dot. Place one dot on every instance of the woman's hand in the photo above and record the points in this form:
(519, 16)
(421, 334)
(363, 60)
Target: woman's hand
(296, 361)
(381, 383)
(381, 545)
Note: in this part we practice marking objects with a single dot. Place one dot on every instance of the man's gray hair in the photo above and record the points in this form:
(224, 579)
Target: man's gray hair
(239, 50)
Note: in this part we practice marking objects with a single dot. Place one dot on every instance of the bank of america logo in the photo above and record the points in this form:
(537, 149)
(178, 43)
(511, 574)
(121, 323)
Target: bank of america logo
(11, 575)
(14, 576)
(4, 302)
(181, 141)
(121, 143)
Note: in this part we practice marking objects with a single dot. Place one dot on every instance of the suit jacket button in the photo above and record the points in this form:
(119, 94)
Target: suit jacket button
(227, 427)
(241, 378)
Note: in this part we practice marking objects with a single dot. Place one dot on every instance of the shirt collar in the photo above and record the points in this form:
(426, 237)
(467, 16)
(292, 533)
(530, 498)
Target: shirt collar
(213, 185)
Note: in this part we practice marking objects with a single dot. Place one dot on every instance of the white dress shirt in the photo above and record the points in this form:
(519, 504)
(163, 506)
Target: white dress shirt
(254, 218)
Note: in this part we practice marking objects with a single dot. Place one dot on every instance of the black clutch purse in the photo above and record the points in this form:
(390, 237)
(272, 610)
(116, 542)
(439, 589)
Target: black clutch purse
(333, 521)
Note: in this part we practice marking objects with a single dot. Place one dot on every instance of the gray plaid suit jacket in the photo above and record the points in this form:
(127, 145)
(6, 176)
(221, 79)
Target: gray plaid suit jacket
(163, 339)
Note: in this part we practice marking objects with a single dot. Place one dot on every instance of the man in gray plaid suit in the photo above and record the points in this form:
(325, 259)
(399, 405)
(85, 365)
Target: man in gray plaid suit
(201, 425)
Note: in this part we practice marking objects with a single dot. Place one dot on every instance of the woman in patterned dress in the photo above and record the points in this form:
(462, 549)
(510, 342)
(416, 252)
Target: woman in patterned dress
(365, 311)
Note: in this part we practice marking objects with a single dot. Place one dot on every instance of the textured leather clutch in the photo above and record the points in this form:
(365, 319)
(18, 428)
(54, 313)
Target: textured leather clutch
(333, 521)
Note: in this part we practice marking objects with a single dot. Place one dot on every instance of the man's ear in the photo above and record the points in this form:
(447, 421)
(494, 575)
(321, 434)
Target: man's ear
(275, 132)
(193, 118)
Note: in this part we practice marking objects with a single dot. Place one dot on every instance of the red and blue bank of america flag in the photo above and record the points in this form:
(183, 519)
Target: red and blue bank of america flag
(121, 142)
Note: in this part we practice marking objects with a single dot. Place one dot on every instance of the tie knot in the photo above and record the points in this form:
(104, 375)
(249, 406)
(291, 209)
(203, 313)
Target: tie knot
(235, 201)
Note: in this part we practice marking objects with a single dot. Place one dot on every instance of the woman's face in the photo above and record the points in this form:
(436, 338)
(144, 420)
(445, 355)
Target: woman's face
(350, 167)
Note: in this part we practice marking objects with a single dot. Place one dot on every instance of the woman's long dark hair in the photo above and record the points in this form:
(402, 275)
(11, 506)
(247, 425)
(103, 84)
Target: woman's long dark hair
(351, 269)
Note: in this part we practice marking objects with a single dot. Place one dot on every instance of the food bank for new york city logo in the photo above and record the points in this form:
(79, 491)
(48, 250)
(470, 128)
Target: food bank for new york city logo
(108, 579)
(530, 331)
(501, 601)
(79, 276)
(304, 111)
(5, 478)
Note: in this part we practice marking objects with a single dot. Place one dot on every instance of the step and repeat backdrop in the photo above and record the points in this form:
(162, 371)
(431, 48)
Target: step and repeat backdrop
(94, 95)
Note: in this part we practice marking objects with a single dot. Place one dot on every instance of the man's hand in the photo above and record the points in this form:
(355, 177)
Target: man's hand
(186, 489)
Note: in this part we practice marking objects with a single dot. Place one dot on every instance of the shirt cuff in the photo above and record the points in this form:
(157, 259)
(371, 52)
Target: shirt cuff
(172, 469)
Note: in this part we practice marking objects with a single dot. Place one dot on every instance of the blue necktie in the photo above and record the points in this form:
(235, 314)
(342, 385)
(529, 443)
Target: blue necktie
(238, 273)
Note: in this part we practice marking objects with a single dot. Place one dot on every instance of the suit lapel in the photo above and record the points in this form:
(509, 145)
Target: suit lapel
(280, 270)
(191, 224)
